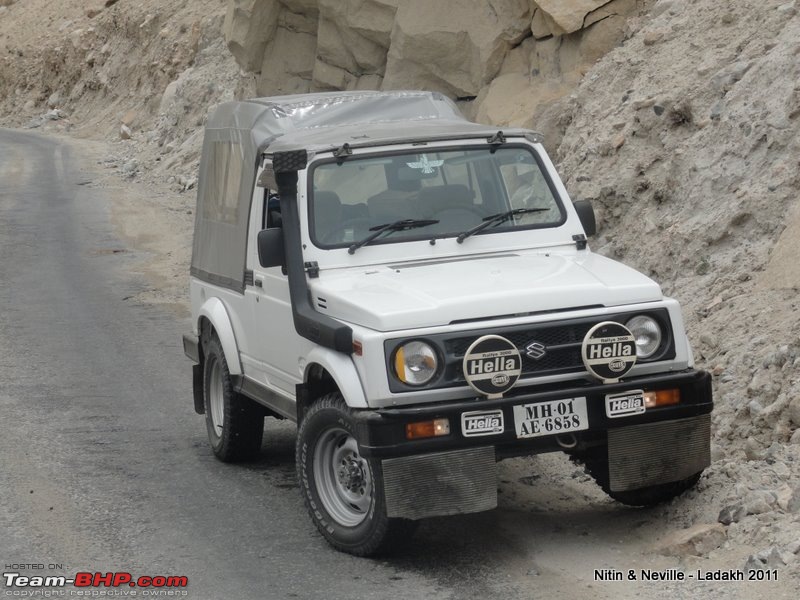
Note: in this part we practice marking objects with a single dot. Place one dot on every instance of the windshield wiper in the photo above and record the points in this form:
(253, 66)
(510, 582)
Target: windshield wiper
(496, 220)
(379, 230)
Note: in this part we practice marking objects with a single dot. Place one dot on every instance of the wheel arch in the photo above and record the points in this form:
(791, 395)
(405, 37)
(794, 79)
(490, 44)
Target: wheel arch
(213, 314)
(327, 371)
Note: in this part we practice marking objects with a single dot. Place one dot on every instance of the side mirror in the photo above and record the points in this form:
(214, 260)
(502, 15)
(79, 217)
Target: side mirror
(586, 215)
(270, 248)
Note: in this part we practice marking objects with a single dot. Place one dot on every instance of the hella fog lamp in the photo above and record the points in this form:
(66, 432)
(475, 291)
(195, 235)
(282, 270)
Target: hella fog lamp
(415, 363)
(647, 333)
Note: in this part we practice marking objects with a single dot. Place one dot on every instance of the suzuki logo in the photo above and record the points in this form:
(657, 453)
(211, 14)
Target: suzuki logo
(536, 350)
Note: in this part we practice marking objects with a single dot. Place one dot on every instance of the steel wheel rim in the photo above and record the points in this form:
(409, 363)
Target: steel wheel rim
(216, 397)
(342, 477)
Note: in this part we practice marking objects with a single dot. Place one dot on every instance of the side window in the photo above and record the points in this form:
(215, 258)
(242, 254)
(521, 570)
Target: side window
(221, 202)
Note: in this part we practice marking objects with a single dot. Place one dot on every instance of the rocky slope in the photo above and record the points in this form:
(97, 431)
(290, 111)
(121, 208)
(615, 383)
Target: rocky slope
(679, 119)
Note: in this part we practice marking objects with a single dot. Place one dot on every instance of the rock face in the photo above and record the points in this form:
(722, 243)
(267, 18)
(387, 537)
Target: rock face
(512, 57)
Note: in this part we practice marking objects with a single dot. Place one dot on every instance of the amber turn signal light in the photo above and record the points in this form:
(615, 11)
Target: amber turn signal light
(427, 429)
(662, 398)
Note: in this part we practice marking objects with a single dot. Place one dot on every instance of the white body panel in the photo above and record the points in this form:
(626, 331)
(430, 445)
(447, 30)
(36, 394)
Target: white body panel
(416, 289)
(413, 295)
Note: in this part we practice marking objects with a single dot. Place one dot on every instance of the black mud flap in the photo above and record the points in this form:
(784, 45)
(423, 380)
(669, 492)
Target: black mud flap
(655, 453)
(197, 389)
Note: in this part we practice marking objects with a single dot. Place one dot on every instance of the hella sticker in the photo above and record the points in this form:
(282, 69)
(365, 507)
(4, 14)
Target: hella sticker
(625, 404)
(609, 351)
(492, 365)
(477, 423)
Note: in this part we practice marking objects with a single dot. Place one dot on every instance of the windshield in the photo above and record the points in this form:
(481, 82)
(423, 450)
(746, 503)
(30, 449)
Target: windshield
(458, 188)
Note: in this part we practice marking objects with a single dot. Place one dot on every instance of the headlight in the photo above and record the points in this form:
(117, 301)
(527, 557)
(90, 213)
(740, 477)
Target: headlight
(415, 363)
(647, 333)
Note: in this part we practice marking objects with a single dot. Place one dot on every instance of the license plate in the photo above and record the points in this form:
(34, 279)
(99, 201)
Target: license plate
(482, 422)
(625, 404)
(551, 418)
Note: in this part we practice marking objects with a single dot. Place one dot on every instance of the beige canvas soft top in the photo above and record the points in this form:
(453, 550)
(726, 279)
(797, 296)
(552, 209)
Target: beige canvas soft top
(239, 133)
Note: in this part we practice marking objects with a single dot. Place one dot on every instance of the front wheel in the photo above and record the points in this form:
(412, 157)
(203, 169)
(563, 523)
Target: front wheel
(342, 490)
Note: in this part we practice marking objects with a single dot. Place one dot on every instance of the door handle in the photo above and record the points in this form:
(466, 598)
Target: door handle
(258, 281)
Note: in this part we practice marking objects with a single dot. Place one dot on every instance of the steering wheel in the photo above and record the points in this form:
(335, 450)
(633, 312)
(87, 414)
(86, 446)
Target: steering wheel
(339, 228)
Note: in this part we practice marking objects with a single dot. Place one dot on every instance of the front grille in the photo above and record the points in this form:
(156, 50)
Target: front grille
(561, 339)
(562, 348)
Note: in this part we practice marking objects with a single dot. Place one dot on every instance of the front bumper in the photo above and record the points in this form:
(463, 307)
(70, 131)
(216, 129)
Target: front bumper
(381, 433)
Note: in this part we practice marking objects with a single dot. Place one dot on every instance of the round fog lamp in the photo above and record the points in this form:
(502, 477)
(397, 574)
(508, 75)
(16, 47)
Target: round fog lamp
(647, 333)
(415, 363)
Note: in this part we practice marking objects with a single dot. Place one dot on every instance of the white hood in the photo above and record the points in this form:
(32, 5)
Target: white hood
(431, 293)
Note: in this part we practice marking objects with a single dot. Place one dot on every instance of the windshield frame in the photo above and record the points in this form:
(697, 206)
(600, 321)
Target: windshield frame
(422, 236)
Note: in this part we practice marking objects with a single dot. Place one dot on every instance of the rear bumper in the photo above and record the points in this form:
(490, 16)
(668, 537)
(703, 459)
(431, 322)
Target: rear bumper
(381, 432)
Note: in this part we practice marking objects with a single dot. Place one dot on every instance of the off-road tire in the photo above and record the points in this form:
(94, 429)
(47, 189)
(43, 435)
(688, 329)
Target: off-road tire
(239, 437)
(376, 533)
(596, 465)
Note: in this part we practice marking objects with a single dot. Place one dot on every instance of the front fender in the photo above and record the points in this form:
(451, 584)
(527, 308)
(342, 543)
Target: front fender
(214, 310)
(341, 368)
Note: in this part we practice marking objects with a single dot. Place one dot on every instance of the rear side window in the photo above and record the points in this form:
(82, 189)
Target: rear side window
(221, 201)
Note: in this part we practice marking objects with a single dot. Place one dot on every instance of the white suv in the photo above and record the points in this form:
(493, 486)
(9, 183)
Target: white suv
(416, 292)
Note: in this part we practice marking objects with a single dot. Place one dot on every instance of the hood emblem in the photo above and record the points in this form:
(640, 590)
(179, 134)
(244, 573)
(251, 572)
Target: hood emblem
(535, 350)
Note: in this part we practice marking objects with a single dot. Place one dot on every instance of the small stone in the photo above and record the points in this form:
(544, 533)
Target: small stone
(793, 503)
(91, 13)
(717, 370)
(125, 132)
(646, 103)
(709, 340)
(731, 514)
(787, 10)
(618, 141)
(752, 450)
(54, 100)
(717, 453)
(795, 439)
(658, 109)
(793, 548)
(54, 115)
(766, 559)
(716, 111)
(794, 411)
(130, 167)
(652, 37)
(695, 541)
(760, 501)
(30, 106)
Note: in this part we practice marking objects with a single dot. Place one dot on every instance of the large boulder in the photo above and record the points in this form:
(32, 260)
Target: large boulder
(354, 35)
(249, 25)
(566, 16)
(288, 63)
(456, 47)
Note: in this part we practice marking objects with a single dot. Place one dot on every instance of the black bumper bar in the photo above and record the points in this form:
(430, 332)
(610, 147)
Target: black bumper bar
(381, 432)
